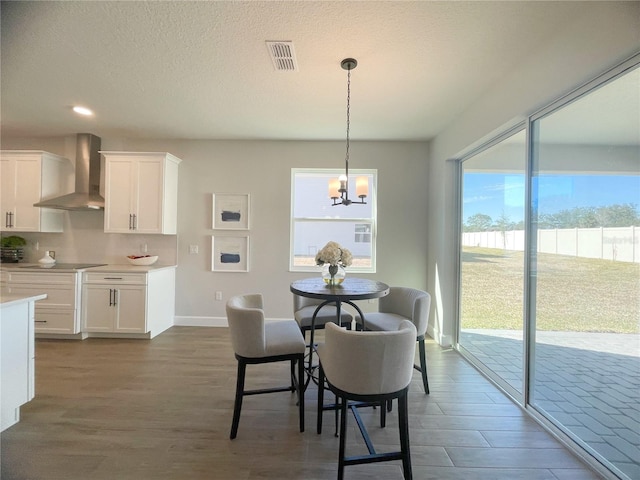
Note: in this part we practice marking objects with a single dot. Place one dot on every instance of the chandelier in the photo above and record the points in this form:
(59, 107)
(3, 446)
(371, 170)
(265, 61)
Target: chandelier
(339, 188)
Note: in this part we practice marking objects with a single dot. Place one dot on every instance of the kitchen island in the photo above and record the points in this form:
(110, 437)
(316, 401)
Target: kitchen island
(17, 354)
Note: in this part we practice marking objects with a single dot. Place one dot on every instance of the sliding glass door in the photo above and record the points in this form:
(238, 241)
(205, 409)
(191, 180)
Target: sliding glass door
(585, 280)
(492, 259)
(550, 301)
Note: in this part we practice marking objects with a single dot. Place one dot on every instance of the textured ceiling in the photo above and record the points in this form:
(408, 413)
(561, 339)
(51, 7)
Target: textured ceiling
(201, 70)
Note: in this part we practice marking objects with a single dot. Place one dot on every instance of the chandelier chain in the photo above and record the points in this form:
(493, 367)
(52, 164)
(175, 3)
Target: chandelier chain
(348, 117)
(339, 191)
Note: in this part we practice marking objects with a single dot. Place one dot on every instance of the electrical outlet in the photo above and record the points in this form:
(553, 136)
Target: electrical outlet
(193, 249)
(143, 248)
(218, 295)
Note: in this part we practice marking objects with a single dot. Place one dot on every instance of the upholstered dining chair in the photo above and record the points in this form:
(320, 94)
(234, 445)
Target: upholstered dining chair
(380, 367)
(255, 342)
(303, 308)
(403, 303)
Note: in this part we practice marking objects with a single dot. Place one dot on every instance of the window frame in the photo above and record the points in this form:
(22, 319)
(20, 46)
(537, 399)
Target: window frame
(371, 200)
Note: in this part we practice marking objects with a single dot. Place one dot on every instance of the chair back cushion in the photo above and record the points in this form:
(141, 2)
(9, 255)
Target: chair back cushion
(410, 303)
(299, 302)
(369, 363)
(246, 324)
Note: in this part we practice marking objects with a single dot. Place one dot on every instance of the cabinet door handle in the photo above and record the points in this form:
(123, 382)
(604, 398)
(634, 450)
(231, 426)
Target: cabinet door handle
(40, 321)
(130, 222)
(112, 278)
(110, 296)
(135, 221)
(115, 297)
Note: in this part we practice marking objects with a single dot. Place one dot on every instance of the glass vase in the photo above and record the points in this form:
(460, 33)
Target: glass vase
(333, 274)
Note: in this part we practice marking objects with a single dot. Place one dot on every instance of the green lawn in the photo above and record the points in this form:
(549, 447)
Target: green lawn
(573, 294)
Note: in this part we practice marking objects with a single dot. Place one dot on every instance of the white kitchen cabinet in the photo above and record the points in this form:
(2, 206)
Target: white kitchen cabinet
(115, 308)
(17, 355)
(59, 313)
(122, 302)
(141, 192)
(28, 177)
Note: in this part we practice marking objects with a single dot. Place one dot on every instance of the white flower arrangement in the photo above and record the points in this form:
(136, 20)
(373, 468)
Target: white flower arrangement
(333, 254)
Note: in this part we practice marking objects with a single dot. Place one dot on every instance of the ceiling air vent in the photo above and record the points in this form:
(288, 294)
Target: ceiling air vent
(283, 56)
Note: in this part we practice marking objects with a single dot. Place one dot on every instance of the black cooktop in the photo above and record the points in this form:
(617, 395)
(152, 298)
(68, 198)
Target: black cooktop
(64, 266)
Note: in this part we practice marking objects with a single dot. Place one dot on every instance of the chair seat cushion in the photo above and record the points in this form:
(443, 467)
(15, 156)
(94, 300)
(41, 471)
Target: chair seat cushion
(326, 314)
(378, 321)
(283, 338)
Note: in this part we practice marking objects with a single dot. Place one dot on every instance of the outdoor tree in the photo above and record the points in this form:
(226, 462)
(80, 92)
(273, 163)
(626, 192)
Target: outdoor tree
(479, 222)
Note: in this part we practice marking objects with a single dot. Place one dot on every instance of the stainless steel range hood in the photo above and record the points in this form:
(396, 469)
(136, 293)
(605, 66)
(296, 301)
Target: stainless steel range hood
(87, 192)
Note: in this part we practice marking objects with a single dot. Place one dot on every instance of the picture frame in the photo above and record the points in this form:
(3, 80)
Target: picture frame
(230, 211)
(229, 253)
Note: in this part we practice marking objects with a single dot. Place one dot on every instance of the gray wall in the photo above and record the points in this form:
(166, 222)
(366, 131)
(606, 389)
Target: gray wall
(262, 169)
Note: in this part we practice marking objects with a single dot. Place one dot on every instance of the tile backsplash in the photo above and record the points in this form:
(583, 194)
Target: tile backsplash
(84, 241)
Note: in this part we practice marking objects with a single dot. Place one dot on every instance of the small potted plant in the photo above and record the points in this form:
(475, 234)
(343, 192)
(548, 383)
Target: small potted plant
(12, 249)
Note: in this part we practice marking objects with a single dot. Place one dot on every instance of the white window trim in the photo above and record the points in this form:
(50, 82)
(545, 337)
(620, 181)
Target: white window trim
(373, 194)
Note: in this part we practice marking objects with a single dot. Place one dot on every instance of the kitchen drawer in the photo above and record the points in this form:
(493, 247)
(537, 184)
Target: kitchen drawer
(42, 278)
(52, 320)
(57, 295)
(115, 278)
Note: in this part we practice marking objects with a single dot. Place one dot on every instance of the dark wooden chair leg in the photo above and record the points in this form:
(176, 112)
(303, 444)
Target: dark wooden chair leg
(403, 421)
(300, 385)
(242, 367)
(383, 413)
(320, 398)
(423, 365)
(335, 416)
(343, 436)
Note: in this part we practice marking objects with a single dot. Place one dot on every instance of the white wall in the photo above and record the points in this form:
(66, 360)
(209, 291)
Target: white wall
(602, 37)
(263, 169)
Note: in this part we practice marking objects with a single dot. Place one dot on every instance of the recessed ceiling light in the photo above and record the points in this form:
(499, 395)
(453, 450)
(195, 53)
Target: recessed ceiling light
(82, 111)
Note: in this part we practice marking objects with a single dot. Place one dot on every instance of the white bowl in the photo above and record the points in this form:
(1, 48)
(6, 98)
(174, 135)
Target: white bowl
(149, 260)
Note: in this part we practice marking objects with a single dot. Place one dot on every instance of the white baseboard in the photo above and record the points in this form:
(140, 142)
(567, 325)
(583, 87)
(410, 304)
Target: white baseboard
(442, 340)
(200, 321)
(208, 321)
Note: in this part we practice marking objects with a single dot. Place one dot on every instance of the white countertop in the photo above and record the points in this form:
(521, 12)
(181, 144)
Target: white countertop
(115, 267)
(128, 268)
(8, 299)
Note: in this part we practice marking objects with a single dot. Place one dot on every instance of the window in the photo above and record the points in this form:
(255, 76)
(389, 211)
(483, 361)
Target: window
(315, 221)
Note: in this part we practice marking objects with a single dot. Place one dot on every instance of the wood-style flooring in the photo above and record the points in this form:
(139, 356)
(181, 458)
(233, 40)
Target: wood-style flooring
(110, 409)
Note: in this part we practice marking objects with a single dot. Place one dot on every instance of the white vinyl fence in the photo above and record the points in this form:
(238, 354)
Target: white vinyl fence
(621, 244)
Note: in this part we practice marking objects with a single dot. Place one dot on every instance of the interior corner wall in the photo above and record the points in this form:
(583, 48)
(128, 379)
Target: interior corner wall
(263, 170)
(606, 34)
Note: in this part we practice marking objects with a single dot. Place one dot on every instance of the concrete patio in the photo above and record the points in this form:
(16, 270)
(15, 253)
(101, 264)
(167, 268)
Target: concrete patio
(587, 382)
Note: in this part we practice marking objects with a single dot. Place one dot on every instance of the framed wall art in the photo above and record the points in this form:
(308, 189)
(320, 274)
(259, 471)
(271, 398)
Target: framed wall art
(229, 254)
(230, 211)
